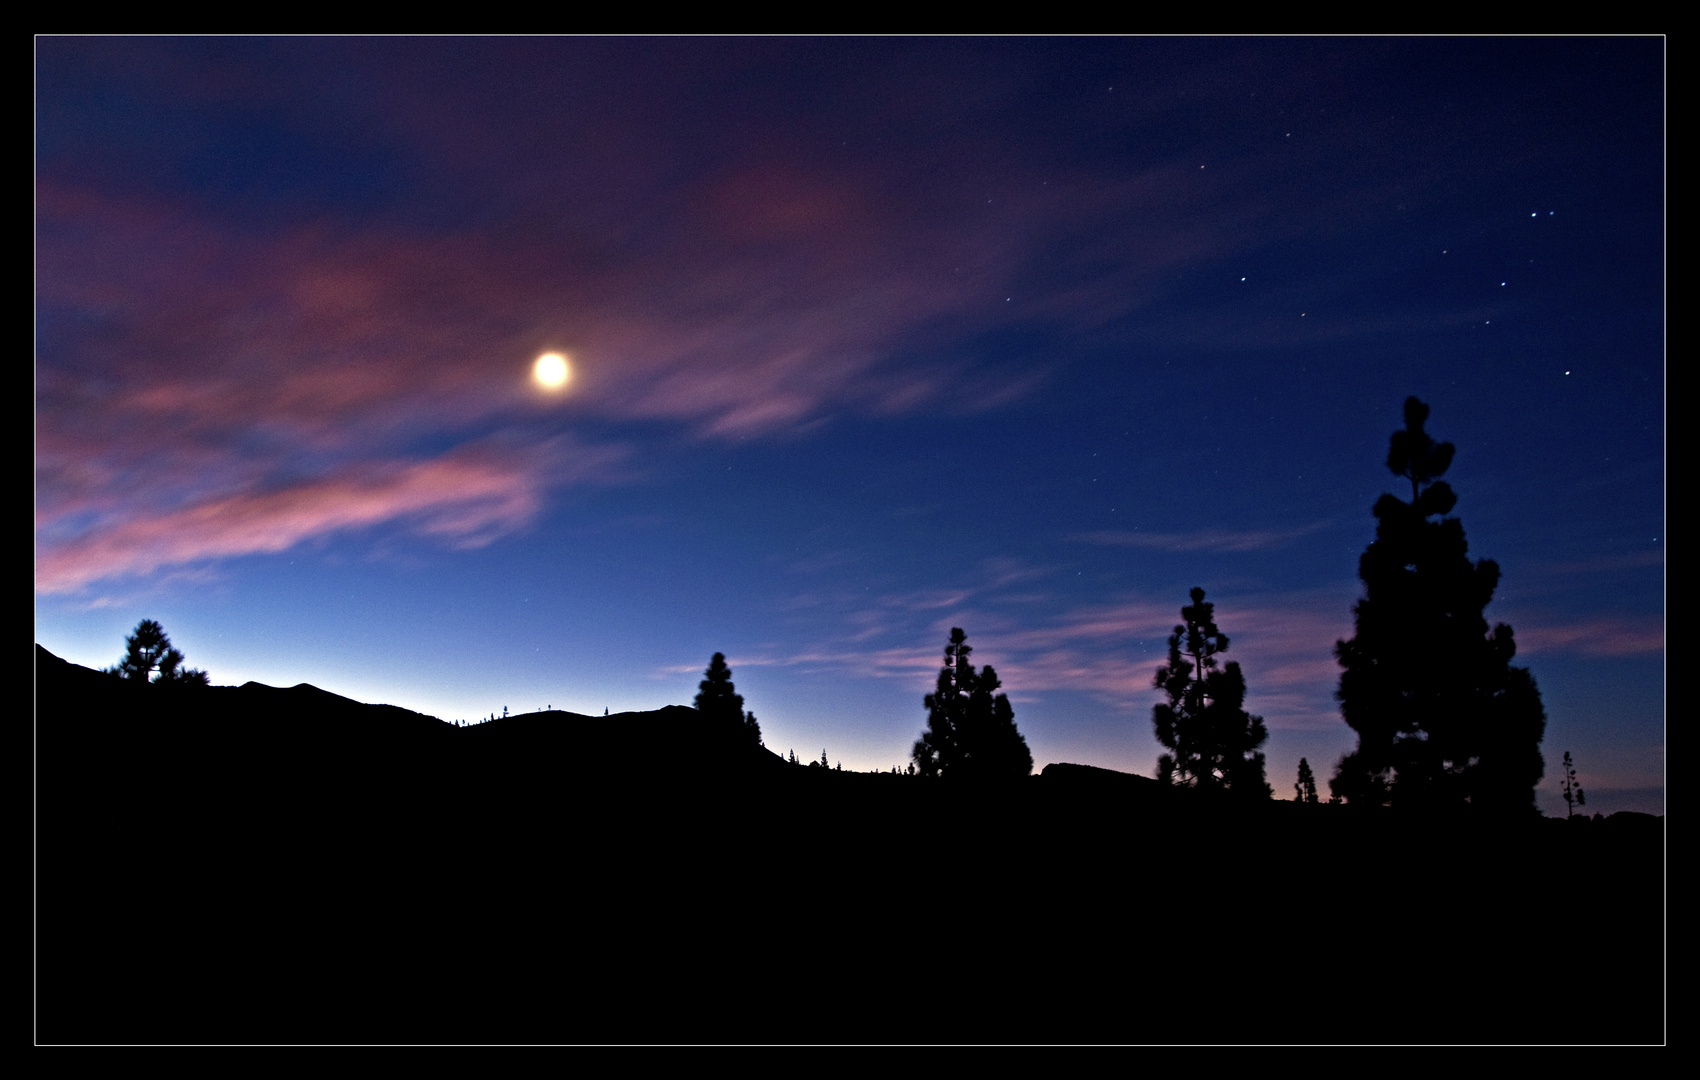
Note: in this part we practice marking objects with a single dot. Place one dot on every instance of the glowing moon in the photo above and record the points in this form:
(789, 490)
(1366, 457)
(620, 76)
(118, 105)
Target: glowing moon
(550, 371)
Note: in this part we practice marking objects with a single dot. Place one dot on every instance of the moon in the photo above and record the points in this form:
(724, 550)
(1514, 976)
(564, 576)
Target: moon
(551, 371)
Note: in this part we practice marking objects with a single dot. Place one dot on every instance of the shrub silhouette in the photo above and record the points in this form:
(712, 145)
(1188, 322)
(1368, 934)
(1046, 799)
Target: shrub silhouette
(1441, 715)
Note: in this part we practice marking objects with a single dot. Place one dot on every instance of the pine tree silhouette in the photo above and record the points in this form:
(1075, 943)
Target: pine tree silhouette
(1441, 715)
(1573, 794)
(149, 650)
(722, 705)
(1213, 741)
(971, 728)
(1305, 789)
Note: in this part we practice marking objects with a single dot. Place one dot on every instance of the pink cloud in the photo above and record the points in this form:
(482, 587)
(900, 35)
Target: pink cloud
(193, 364)
(467, 499)
(314, 330)
(1109, 650)
(1285, 648)
(1609, 636)
(762, 298)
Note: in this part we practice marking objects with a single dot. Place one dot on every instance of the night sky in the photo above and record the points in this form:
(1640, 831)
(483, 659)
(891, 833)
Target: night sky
(867, 338)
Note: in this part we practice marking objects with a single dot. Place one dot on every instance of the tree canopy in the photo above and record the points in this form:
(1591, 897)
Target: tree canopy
(1212, 741)
(1441, 715)
(971, 728)
(149, 656)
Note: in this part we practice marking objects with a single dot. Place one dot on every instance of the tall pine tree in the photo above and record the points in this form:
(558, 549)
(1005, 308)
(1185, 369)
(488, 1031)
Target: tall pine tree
(1441, 715)
(971, 728)
(1212, 741)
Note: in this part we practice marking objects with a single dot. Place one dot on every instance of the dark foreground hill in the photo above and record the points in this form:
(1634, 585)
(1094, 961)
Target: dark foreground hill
(254, 864)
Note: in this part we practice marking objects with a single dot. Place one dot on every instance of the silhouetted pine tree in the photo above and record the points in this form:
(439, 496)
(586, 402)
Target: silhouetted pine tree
(1573, 796)
(1213, 741)
(947, 709)
(148, 650)
(719, 702)
(971, 728)
(1305, 789)
(1441, 715)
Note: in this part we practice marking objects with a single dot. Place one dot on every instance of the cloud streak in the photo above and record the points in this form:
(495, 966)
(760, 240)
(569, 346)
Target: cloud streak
(1225, 540)
(200, 346)
(1108, 650)
(1597, 637)
(180, 362)
(466, 499)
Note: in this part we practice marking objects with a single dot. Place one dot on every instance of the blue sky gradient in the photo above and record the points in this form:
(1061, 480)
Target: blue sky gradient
(869, 338)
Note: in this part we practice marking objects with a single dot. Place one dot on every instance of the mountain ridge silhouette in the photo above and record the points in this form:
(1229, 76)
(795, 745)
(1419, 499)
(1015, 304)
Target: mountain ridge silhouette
(286, 865)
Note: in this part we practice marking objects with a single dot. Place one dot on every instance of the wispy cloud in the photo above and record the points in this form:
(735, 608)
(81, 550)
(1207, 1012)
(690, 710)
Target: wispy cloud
(1600, 636)
(1284, 643)
(1202, 540)
(181, 362)
(726, 282)
(1109, 650)
(466, 498)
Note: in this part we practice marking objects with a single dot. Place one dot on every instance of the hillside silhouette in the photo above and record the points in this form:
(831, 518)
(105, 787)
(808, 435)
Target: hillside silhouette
(285, 865)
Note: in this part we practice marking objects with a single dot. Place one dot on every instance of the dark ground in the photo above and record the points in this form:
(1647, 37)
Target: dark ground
(250, 864)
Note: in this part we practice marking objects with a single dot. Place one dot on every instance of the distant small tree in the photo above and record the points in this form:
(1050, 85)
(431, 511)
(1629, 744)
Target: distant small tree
(1213, 741)
(1306, 787)
(149, 650)
(1573, 796)
(792, 760)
